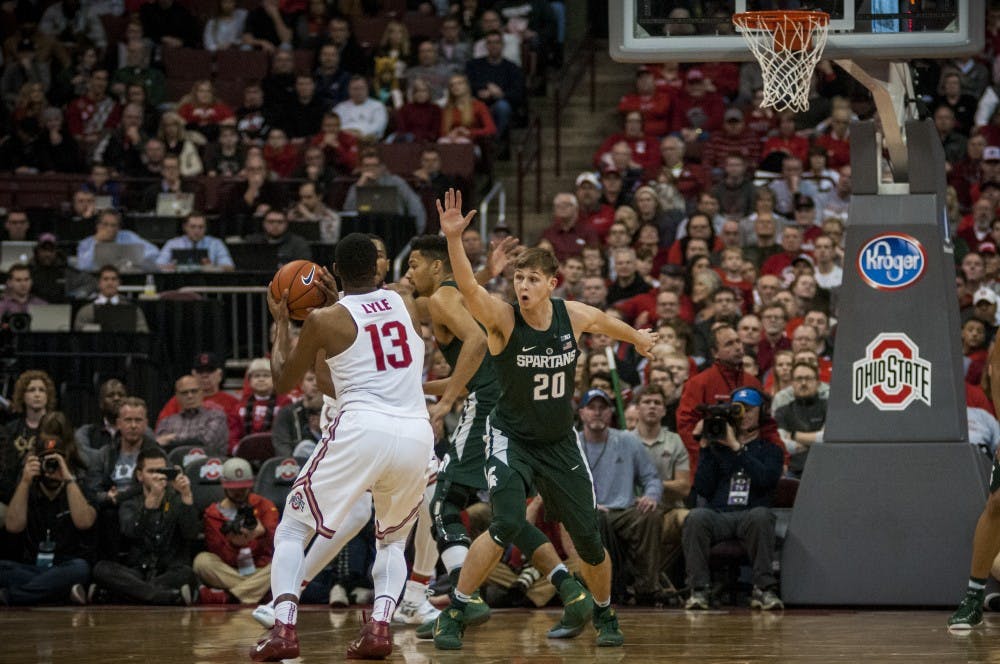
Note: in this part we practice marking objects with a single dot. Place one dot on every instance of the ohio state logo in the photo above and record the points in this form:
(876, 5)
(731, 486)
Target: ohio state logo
(296, 502)
(286, 470)
(891, 375)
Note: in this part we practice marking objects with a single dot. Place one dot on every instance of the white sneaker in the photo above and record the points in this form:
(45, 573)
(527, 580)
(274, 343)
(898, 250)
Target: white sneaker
(362, 596)
(415, 613)
(338, 596)
(264, 614)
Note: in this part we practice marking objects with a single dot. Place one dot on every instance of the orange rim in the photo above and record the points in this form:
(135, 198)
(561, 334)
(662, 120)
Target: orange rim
(769, 20)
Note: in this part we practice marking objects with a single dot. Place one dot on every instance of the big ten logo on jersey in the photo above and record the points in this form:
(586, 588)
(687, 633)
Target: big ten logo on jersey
(891, 261)
(892, 374)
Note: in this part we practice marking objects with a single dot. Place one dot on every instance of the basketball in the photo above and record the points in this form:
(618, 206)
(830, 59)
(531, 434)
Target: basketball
(300, 278)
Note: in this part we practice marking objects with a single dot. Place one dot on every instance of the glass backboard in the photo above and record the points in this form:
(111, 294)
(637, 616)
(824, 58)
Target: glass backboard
(702, 30)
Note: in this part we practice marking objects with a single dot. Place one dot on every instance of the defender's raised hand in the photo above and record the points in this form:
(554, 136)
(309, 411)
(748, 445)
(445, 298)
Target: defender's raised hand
(500, 254)
(452, 221)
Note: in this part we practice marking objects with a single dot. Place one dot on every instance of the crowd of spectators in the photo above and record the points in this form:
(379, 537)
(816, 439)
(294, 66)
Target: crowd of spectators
(707, 218)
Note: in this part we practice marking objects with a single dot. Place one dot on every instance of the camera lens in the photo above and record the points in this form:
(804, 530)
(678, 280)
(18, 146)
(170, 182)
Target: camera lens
(19, 323)
(50, 465)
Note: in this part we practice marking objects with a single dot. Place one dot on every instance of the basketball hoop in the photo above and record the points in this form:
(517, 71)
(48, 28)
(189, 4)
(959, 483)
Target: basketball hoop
(788, 45)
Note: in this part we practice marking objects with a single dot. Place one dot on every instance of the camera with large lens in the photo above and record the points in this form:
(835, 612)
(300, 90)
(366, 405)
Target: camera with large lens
(17, 322)
(244, 520)
(717, 416)
(50, 464)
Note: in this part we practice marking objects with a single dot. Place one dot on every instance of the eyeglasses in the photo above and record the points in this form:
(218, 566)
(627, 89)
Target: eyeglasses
(803, 379)
(192, 391)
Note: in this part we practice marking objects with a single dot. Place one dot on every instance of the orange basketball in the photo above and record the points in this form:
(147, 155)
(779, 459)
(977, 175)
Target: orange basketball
(300, 278)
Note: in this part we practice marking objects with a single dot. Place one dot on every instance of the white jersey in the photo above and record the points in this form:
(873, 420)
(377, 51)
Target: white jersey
(381, 370)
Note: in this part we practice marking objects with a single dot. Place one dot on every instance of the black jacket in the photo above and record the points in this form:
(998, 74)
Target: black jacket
(158, 538)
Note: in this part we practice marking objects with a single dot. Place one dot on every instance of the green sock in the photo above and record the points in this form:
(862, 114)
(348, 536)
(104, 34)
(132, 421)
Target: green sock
(559, 575)
(459, 600)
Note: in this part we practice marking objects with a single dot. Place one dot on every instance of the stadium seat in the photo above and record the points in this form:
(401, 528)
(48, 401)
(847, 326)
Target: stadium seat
(187, 62)
(185, 455)
(255, 448)
(206, 481)
(275, 478)
(234, 64)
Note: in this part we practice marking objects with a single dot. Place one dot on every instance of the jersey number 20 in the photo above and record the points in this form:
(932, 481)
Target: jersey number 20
(399, 355)
(549, 387)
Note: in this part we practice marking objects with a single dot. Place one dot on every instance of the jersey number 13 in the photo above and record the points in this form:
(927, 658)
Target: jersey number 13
(398, 355)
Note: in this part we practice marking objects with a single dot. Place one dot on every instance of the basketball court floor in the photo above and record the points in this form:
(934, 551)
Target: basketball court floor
(99, 635)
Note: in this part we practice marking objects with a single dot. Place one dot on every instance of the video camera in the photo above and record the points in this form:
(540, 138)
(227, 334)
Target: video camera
(169, 472)
(244, 520)
(717, 416)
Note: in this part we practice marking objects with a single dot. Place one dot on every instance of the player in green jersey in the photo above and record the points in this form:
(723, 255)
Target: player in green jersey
(530, 437)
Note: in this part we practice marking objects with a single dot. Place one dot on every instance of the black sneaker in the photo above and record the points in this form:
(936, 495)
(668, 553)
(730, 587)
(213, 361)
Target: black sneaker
(992, 602)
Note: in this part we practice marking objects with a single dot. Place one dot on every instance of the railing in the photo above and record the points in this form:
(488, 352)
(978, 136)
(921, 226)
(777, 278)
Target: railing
(529, 155)
(498, 192)
(397, 263)
(248, 320)
(580, 62)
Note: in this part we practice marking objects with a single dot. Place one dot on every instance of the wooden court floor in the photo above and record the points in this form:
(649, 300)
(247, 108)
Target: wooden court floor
(108, 635)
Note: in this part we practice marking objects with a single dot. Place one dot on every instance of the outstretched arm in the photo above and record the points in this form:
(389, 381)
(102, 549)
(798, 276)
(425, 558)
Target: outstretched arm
(486, 309)
(590, 319)
(447, 309)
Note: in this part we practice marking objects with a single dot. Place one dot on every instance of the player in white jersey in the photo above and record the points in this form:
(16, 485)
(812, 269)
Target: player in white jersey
(380, 441)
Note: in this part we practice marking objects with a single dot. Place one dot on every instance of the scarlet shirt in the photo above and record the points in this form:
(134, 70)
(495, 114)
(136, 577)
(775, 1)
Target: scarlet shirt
(655, 110)
(262, 548)
(205, 115)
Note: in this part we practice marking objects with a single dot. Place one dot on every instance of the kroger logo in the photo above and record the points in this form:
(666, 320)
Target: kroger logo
(891, 261)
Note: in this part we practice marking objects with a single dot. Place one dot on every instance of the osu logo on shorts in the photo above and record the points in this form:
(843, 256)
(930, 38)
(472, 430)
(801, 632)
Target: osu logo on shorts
(296, 502)
(892, 374)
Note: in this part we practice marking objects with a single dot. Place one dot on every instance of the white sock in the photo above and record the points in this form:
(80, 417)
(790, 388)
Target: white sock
(603, 604)
(425, 553)
(389, 574)
(286, 565)
(286, 612)
(560, 566)
(416, 592)
(324, 550)
(454, 557)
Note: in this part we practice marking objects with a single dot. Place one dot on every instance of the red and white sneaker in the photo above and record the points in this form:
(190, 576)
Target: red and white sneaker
(374, 642)
(281, 643)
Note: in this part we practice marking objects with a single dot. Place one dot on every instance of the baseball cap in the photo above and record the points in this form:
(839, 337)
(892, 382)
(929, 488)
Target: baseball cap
(610, 170)
(803, 258)
(259, 365)
(987, 248)
(49, 238)
(237, 474)
(991, 153)
(588, 176)
(672, 270)
(747, 396)
(804, 202)
(985, 293)
(733, 114)
(695, 75)
(204, 361)
(594, 394)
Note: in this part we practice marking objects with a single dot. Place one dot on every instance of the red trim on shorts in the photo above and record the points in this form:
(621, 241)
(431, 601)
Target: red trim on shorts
(303, 481)
(380, 534)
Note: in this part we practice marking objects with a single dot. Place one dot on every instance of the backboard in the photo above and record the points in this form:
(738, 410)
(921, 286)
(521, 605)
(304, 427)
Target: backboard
(647, 31)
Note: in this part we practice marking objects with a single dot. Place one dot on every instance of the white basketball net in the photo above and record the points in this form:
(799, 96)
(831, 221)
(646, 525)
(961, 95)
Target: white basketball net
(788, 48)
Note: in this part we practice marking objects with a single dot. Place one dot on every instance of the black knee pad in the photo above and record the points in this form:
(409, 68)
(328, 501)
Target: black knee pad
(529, 539)
(590, 548)
(505, 530)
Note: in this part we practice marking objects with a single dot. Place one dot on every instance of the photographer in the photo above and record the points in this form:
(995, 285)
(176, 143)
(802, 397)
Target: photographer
(239, 538)
(737, 476)
(158, 525)
(54, 518)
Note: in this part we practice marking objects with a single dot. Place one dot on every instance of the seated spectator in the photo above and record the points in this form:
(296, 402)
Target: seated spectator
(352, 56)
(734, 139)
(571, 279)
(16, 226)
(158, 526)
(181, 143)
(837, 202)
(261, 406)
(653, 104)
(136, 71)
(101, 183)
(651, 211)
(419, 119)
(71, 82)
(55, 150)
(298, 423)
(239, 540)
(465, 119)
(836, 138)
(696, 109)
(93, 436)
(202, 111)
(310, 26)
(635, 523)
(801, 422)
(735, 190)
(251, 120)
(225, 28)
(303, 116)
(150, 164)
(109, 229)
(453, 49)
(613, 190)
(963, 106)
(490, 21)
(169, 24)
(386, 86)
(255, 195)
(787, 142)
(195, 237)
(434, 72)
(331, 79)
(737, 476)
(225, 157)
(34, 396)
(594, 214)
(17, 295)
(823, 177)
(311, 209)
(170, 182)
(373, 172)
(108, 283)
(497, 82)
(290, 247)
(627, 281)
(136, 94)
(121, 150)
(279, 84)
(91, 114)
(281, 155)
(690, 178)
(642, 145)
(195, 424)
(265, 28)
(974, 342)
(207, 368)
(69, 22)
(52, 278)
(340, 148)
(361, 115)
(395, 45)
(54, 515)
(25, 69)
(567, 236)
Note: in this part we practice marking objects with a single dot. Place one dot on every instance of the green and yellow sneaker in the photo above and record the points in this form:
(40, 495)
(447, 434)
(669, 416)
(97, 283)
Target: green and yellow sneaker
(476, 611)
(969, 613)
(448, 630)
(426, 631)
(608, 631)
(578, 607)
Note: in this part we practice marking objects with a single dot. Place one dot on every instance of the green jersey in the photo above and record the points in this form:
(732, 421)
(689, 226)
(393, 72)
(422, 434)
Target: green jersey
(537, 371)
(484, 382)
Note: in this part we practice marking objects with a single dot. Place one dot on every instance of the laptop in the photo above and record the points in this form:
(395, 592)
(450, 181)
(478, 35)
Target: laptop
(115, 317)
(188, 258)
(104, 203)
(174, 205)
(51, 317)
(126, 257)
(14, 251)
(255, 257)
(377, 199)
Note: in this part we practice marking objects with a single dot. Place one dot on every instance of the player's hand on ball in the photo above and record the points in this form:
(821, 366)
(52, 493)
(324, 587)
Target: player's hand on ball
(278, 308)
(328, 285)
(452, 221)
(645, 342)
